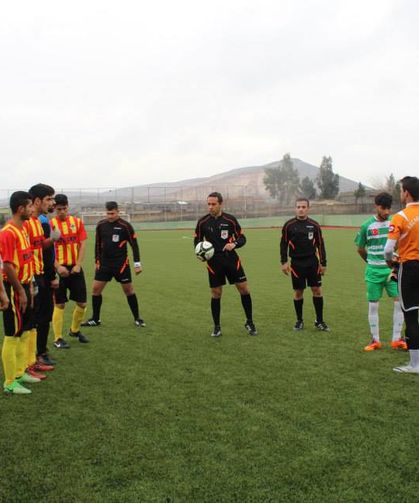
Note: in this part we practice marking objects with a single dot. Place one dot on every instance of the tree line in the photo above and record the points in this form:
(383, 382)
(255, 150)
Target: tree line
(283, 182)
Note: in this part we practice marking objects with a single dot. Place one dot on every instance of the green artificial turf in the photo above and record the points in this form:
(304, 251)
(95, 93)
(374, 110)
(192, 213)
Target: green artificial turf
(168, 414)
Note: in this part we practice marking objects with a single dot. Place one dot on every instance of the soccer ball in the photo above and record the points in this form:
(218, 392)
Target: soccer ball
(204, 250)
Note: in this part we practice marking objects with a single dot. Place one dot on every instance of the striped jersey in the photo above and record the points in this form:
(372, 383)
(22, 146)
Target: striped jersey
(36, 237)
(404, 228)
(72, 234)
(17, 250)
(373, 236)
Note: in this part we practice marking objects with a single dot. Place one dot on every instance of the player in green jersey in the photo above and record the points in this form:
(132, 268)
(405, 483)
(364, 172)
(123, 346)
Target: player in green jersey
(371, 239)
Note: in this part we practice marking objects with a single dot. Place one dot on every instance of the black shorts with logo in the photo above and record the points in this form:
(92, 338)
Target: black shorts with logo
(14, 321)
(74, 283)
(225, 265)
(408, 279)
(121, 271)
(305, 273)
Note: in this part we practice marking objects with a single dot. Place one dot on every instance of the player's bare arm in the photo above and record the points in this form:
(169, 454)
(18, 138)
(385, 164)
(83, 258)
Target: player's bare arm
(10, 272)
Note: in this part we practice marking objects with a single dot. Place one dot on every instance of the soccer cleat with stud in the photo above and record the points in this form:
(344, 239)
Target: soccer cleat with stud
(139, 322)
(16, 389)
(91, 323)
(41, 367)
(34, 373)
(407, 369)
(373, 345)
(250, 327)
(322, 326)
(399, 344)
(45, 359)
(78, 335)
(217, 331)
(27, 378)
(61, 344)
(299, 325)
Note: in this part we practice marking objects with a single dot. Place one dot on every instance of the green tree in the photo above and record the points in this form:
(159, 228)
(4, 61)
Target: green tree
(327, 181)
(282, 182)
(360, 192)
(393, 188)
(307, 188)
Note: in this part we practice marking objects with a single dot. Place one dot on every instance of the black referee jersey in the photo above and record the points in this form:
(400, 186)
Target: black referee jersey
(219, 231)
(302, 240)
(112, 239)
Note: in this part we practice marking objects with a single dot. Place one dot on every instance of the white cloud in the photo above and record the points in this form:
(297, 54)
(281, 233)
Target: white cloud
(133, 92)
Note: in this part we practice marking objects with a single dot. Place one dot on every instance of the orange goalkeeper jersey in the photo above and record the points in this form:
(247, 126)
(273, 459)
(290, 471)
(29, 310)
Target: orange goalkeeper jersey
(404, 228)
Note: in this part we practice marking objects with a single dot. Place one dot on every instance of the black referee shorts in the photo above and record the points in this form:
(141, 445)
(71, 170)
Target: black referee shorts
(121, 271)
(225, 265)
(408, 279)
(305, 273)
(14, 321)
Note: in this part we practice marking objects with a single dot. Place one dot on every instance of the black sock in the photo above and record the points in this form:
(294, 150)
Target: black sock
(96, 304)
(133, 305)
(215, 310)
(318, 306)
(247, 306)
(298, 306)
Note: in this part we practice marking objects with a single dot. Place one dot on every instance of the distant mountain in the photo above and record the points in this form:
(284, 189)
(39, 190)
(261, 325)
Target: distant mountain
(234, 183)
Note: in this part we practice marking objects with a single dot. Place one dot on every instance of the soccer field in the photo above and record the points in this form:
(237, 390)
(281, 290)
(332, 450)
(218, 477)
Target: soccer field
(167, 413)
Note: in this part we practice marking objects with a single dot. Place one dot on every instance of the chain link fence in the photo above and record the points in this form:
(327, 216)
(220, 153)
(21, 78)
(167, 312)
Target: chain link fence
(173, 203)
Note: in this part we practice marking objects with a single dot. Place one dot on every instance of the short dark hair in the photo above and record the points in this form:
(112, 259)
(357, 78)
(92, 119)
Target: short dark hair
(111, 205)
(302, 199)
(384, 199)
(61, 199)
(41, 190)
(217, 195)
(19, 198)
(411, 185)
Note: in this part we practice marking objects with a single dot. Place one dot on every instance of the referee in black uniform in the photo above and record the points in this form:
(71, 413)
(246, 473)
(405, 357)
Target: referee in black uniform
(113, 234)
(302, 240)
(224, 232)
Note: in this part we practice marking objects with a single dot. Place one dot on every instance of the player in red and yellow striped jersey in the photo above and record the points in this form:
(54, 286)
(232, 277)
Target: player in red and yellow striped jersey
(18, 274)
(69, 256)
(44, 275)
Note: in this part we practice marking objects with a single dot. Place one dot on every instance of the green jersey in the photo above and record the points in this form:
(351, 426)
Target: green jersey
(373, 236)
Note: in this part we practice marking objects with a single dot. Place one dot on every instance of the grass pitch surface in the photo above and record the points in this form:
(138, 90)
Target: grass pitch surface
(168, 414)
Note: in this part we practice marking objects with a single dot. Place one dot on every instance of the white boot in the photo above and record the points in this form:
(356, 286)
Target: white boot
(413, 366)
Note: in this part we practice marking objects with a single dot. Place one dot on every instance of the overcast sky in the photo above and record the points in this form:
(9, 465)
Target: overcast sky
(105, 93)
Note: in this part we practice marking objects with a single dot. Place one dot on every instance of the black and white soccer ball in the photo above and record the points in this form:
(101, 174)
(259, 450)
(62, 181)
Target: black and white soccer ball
(204, 251)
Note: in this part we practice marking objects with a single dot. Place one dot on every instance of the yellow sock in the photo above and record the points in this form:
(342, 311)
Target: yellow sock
(57, 323)
(8, 357)
(32, 348)
(78, 315)
(22, 353)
